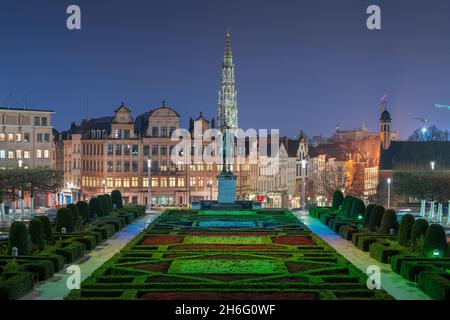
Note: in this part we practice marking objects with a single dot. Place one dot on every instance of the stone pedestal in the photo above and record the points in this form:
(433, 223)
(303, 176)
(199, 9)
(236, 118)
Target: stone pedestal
(227, 188)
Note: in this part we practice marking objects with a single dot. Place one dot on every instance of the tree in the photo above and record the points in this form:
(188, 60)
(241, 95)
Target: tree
(96, 208)
(83, 210)
(64, 219)
(36, 231)
(431, 134)
(116, 198)
(18, 238)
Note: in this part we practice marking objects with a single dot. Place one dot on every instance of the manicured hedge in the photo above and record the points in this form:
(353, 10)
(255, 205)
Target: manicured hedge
(16, 286)
(18, 237)
(116, 198)
(419, 229)
(43, 269)
(75, 214)
(71, 251)
(358, 208)
(389, 222)
(36, 230)
(338, 198)
(375, 218)
(404, 233)
(64, 219)
(83, 210)
(436, 285)
(96, 208)
(367, 214)
(435, 240)
(47, 227)
(381, 252)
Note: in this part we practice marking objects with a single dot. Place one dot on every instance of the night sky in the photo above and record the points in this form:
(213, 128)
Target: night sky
(299, 64)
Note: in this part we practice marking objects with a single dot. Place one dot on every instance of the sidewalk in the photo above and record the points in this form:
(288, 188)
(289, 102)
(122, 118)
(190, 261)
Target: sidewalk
(393, 283)
(55, 288)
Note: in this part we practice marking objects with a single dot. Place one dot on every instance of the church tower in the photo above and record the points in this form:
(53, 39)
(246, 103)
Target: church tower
(385, 127)
(227, 111)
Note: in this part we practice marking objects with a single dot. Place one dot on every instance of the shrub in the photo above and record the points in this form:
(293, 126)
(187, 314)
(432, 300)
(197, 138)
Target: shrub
(367, 214)
(436, 285)
(117, 201)
(36, 230)
(108, 202)
(83, 210)
(348, 210)
(18, 237)
(435, 239)
(338, 198)
(103, 204)
(47, 227)
(375, 218)
(388, 222)
(64, 219)
(75, 214)
(16, 286)
(345, 204)
(419, 229)
(404, 233)
(96, 208)
(358, 208)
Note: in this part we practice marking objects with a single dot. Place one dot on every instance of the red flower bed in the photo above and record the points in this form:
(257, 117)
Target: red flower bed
(162, 240)
(229, 296)
(223, 247)
(221, 233)
(154, 267)
(294, 267)
(293, 240)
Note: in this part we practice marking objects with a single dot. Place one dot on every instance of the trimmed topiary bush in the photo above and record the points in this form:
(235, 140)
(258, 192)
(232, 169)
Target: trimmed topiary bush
(367, 214)
(108, 202)
(388, 222)
(18, 237)
(375, 218)
(338, 198)
(348, 210)
(358, 208)
(404, 232)
(75, 214)
(47, 227)
(84, 211)
(64, 219)
(435, 242)
(345, 204)
(104, 204)
(36, 230)
(96, 208)
(116, 197)
(419, 229)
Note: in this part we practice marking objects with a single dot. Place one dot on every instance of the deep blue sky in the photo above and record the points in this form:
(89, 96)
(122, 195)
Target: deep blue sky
(299, 64)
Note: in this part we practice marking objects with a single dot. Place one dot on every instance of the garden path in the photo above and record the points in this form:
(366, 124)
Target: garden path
(393, 283)
(55, 288)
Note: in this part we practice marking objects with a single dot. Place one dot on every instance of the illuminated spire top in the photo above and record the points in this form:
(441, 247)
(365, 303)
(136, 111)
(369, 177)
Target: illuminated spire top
(228, 57)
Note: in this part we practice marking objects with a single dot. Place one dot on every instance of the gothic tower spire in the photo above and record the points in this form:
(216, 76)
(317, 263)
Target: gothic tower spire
(227, 106)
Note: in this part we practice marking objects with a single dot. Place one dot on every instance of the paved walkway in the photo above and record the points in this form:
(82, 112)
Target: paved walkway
(393, 283)
(55, 288)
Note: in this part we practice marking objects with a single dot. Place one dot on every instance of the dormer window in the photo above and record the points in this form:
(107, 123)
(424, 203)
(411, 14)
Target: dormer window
(92, 134)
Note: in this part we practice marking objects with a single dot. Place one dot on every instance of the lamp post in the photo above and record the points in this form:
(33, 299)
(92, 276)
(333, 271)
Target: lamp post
(389, 181)
(432, 165)
(303, 169)
(149, 174)
(104, 186)
(210, 189)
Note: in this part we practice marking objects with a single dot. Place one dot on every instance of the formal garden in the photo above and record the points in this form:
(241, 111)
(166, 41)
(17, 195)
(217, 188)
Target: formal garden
(415, 246)
(33, 253)
(208, 255)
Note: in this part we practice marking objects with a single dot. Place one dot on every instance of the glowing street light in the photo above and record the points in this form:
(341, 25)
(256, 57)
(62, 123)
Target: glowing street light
(303, 169)
(149, 170)
(210, 189)
(432, 165)
(389, 181)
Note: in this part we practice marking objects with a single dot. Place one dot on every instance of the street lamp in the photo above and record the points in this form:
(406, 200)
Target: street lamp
(210, 189)
(432, 165)
(149, 172)
(389, 181)
(104, 186)
(20, 163)
(303, 169)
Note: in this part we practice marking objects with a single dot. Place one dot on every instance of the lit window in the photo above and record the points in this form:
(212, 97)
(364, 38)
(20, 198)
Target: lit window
(46, 154)
(10, 137)
(2, 154)
(180, 182)
(154, 182)
(118, 183)
(192, 181)
(145, 182)
(163, 182)
(38, 153)
(172, 182)
(109, 182)
(200, 182)
(2, 136)
(26, 154)
(18, 154)
(18, 137)
(126, 183)
(134, 182)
